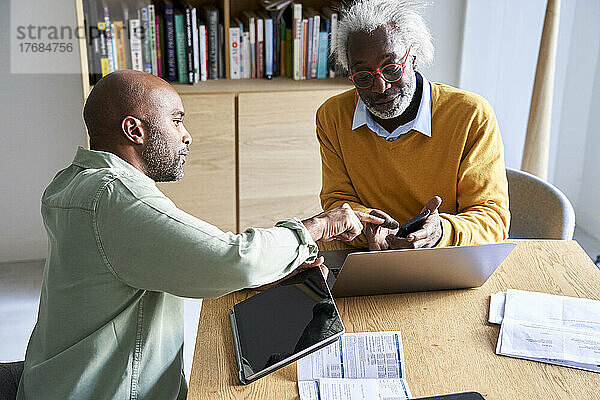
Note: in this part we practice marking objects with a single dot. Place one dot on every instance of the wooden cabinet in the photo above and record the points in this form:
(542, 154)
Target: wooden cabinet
(254, 156)
(279, 164)
(208, 190)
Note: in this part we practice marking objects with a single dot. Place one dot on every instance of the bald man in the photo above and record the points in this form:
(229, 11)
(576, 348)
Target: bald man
(121, 255)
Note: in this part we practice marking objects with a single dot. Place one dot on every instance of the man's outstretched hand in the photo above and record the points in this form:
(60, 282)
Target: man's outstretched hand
(340, 223)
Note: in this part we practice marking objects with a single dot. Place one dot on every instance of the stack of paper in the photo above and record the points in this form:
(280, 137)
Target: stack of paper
(368, 365)
(548, 328)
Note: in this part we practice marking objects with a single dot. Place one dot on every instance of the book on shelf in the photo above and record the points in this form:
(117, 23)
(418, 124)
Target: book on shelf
(291, 40)
(152, 34)
(135, 35)
(212, 29)
(146, 46)
(195, 45)
(234, 52)
(171, 58)
(202, 45)
(180, 46)
(159, 46)
(189, 44)
(297, 44)
(269, 48)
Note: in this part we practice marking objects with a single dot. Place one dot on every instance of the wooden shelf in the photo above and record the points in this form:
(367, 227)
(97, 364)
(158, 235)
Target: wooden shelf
(262, 85)
(259, 85)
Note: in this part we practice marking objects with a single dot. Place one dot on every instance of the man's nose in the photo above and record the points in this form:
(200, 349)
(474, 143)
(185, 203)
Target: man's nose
(187, 138)
(379, 84)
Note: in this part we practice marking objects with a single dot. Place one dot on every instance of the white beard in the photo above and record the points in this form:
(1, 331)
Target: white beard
(399, 105)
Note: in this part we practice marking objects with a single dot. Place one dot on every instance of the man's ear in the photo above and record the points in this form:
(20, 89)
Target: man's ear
(133, 130)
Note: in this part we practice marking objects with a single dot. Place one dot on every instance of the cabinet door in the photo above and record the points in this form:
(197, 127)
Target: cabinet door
(279, 161)
(207, 189)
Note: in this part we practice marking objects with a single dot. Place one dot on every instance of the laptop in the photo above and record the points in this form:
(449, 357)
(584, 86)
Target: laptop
(360, 273)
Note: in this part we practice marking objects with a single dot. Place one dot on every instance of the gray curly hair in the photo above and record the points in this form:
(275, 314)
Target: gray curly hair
(368, 15)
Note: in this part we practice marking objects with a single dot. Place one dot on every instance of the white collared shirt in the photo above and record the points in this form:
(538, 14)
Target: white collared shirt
(421, 123)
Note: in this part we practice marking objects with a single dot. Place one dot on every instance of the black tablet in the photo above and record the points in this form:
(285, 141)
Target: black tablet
(284, 323)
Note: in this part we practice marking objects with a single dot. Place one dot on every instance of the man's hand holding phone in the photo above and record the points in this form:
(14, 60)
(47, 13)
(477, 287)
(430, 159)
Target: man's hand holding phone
(425, 230)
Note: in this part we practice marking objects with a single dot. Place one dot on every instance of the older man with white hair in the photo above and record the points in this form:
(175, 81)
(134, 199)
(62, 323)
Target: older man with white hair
(397, 144)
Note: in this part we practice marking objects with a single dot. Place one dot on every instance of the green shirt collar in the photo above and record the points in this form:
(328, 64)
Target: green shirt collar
(95, 159)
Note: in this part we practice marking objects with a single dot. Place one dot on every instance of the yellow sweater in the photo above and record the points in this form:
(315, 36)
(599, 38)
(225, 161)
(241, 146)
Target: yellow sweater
(462, 162)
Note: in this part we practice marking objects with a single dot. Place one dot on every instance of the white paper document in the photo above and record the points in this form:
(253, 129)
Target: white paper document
(548, 328)
(367, 365)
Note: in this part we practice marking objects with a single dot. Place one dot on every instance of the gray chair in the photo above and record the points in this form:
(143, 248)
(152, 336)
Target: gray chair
(10, 375)
(538, 209)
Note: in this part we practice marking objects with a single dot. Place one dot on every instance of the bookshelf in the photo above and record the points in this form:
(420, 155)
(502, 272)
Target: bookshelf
(254, 158)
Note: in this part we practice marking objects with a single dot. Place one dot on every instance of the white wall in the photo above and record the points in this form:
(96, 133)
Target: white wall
(41, 128)
(577, 151)
(445, 19)
(500, 47)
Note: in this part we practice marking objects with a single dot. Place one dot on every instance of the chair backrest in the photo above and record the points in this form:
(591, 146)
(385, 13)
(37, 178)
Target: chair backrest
(538, 209)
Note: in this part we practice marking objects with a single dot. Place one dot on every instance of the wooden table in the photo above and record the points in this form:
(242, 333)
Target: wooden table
(449, 346)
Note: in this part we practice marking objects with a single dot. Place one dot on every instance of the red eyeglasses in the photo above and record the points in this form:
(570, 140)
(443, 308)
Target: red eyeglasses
(390, 73)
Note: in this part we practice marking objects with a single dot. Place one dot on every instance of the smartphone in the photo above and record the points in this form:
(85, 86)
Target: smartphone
(413, 225)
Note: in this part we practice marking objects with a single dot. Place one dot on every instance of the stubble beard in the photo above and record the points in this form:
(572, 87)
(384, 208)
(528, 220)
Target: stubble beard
(160, 162)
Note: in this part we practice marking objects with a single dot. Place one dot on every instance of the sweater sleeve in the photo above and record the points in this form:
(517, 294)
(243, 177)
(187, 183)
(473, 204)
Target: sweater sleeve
(482, 189)
(337, 187)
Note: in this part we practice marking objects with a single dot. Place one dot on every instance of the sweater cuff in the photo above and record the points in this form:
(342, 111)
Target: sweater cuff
(304, 237)
(447, 238)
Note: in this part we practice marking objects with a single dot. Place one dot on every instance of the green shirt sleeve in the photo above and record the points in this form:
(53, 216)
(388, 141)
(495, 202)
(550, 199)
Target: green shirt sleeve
(148, 243)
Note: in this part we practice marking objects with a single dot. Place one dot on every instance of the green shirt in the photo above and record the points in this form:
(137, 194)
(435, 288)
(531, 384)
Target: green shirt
(120, 257)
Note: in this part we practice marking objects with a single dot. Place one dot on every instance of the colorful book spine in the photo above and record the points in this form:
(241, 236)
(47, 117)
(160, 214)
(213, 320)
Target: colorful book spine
(189, 44)
(135, 41)
(322, 60)
(152, 29)
(203, 52)
(289, 56)
(246, 58)
(159, 71)
(304, 46)
(274, 15)
(234, 52)
(252, 32)
(94, 61)
(180, 46)
(297, 45)
(212, 29)
(196, 45)
(146, 46)
(171, 58)
(113, 36)
(269, 48)
(109, 41)
(104, 63)
(315, 45)
(221, 51)
(260, 48)
(332, 41)
(120, 40)
(283, 50)
(309, 47)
